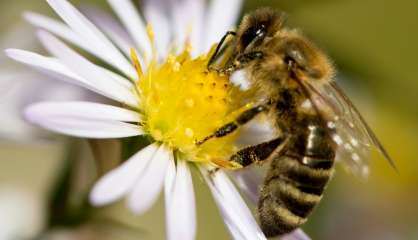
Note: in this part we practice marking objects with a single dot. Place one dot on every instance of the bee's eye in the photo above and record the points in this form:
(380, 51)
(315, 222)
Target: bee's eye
(248, 36)
(252, 35)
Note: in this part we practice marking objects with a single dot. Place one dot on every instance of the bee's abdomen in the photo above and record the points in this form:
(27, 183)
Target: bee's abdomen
(293, 187)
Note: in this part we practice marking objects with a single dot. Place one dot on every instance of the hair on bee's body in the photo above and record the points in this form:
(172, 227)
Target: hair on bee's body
(286, 70)
(299, 173)
(276, 60)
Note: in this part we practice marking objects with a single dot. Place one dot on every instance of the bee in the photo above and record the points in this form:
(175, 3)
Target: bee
(314, 122)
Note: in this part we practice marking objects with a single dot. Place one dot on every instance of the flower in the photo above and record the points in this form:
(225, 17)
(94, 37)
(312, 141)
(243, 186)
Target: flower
(163, 93)
(20, 86)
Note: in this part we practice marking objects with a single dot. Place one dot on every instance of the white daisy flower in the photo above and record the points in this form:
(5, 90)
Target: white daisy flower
(164, 93)
(20, 86)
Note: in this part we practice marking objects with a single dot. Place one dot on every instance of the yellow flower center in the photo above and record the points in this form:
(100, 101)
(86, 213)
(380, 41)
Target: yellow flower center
(182, 103)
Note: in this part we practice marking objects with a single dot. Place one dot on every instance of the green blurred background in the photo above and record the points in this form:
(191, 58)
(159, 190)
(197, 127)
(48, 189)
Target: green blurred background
(374, 45)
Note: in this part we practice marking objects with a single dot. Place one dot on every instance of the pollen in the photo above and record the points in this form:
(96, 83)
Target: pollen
(182, 102)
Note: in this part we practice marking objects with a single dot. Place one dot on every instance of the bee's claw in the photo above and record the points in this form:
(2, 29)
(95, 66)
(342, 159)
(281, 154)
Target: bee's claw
(200, 142)
(221, 71)
(212, 69)
(213, 171)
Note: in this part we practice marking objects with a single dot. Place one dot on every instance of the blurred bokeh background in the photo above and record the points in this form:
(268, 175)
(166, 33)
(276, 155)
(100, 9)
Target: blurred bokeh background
(374, 45)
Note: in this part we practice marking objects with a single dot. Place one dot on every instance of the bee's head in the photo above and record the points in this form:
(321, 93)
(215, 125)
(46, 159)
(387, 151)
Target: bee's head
(256, 28)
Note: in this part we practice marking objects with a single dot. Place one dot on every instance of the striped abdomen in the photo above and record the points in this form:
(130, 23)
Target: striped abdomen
(297, 178)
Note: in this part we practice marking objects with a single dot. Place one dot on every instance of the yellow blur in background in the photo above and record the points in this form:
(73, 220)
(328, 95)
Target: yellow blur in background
(374, 45)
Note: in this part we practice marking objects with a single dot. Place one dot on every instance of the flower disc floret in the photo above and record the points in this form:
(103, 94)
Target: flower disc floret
(182, 102)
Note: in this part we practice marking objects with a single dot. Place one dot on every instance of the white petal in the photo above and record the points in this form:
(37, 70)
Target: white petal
(120, 181)
(231, 218)
(112, 28)
(86, 110)
(188, 25)
(54, 67)
(222, 17)
(197, 26)
(77, 122)
(89, 129)
(89, 71)
(150, 184)
(298, 234)
(129, 16)
(169, 181)
(57, 28)
(249, 182)
(256, 132)
(51, 65)
(180, 205)
(119, 79)
(93, 36)
(237, 216)
(155, 12)
(228, 190)
(63, 31)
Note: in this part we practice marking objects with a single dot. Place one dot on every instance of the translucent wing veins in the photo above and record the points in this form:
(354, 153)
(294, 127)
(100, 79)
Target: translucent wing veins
(353, 136)
(372, 137)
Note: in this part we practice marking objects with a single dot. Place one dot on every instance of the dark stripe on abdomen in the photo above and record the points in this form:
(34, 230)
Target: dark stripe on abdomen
(291, 191)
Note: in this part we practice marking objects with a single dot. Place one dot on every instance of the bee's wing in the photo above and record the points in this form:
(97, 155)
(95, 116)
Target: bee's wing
(354, 136)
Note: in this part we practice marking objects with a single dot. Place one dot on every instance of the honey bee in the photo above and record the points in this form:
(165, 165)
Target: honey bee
(314, 121)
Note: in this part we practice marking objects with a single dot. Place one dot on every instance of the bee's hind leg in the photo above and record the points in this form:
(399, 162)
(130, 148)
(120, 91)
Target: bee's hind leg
(255, 154)
(258, 153)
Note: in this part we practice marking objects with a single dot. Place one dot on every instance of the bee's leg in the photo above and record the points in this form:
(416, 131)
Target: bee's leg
(259, 152)
(248, 57)
(213, 171)
(232, 126)
(218, 49)
(256, 153)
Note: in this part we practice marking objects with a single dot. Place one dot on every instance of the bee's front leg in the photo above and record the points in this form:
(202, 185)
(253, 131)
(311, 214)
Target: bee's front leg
(240, 62)
(218, 50)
